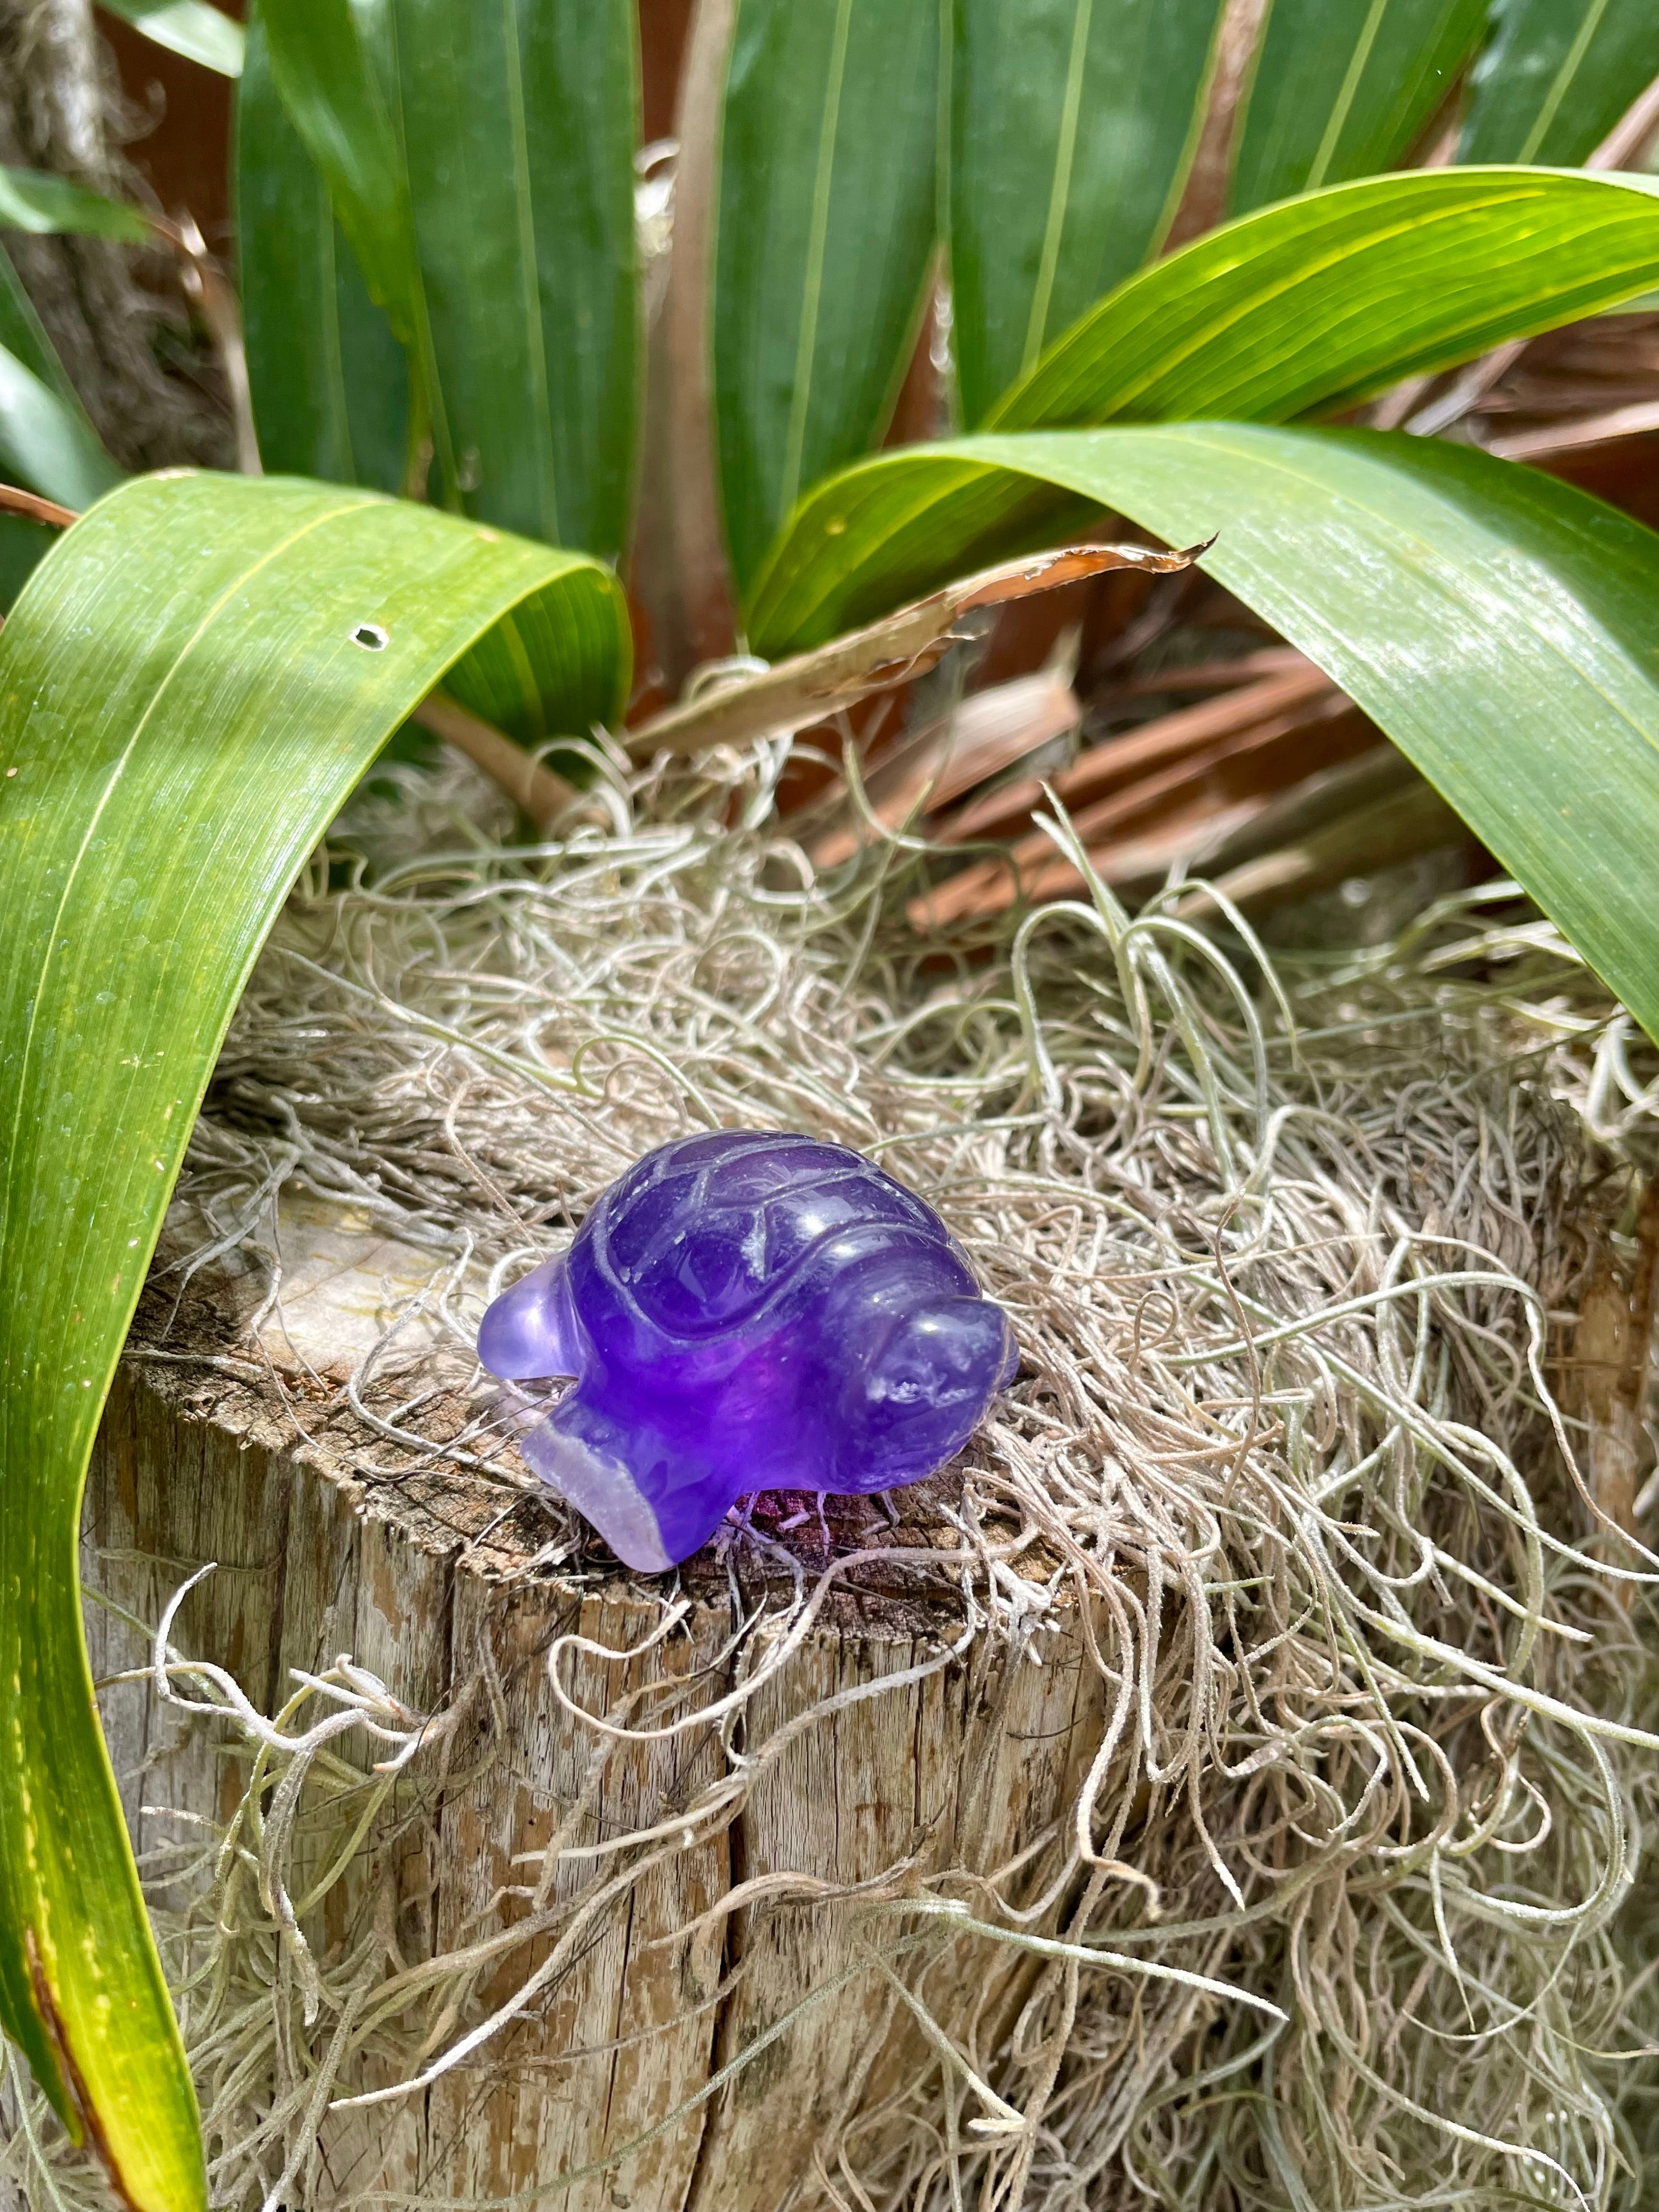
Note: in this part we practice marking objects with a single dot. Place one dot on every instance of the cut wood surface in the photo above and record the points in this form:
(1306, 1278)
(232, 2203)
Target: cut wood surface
(241, 1446)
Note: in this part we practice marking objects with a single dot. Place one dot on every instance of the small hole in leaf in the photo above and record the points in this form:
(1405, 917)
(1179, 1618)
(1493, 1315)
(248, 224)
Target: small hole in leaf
(370, 636)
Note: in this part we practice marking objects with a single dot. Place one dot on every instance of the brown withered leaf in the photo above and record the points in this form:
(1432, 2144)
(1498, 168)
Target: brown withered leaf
(1119, 761)
(33, 508)
(799, 693)
(984, 734)
(1182, 808)
(1366, 814)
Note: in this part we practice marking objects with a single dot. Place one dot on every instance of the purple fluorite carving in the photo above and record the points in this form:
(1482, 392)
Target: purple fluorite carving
(747, 1310)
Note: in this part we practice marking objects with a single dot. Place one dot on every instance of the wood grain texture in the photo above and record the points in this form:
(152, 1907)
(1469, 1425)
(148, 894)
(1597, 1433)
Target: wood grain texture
(961, 1766)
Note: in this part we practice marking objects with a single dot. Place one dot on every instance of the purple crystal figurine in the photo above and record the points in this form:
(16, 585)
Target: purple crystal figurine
(747, 1310)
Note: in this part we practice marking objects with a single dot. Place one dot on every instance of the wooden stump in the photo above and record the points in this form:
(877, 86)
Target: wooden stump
(330, 1539)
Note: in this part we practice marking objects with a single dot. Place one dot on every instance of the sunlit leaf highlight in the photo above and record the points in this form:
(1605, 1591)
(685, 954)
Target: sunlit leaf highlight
(1319, 302)
(191, 28)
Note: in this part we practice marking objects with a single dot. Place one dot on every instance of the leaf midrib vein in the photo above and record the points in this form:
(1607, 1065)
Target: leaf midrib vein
(1343, 108)
(530, 288)
(1572, 64)
(1060, 188)
(816, 250)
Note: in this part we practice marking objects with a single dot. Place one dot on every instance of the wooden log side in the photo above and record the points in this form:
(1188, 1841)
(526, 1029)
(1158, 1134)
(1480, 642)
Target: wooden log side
(961, 1768)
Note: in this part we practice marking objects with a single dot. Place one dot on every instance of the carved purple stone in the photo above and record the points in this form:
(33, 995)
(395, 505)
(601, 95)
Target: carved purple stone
(747, 1310)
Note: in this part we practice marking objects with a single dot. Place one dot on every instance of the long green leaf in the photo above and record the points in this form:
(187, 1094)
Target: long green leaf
(1342, 87)
(23, 334)
(1072, 124)
(23, 546)
(190, 27)
(824, 233)
(330, 381)
(1325, 301)
(1558, 76)
(47, 442)
(189, 684)
(1497, 624)
(482, 163)
(1293, 309)
(36, 200)
(331, 88)
(518, 126)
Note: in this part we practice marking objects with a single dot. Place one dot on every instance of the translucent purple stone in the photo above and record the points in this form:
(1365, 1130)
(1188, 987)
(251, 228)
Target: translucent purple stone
(747, 1310)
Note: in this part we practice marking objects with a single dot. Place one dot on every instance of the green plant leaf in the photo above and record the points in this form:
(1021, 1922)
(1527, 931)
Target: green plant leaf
(34, 200)
(47, 442)
(23, 546)
(824, 234)
(1557, 76)
(1072, 126)
(189, 684)
(46, 445)
(330, 381)
(482, 164)
(1325, 301)
(331, 88)
(519, 126)
(190, 27)
(1342, 88)
(1312, 304)
(1496, 624)
(23, 334)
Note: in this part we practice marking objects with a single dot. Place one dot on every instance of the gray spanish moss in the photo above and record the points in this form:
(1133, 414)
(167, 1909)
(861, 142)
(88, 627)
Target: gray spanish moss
(1293, 1247)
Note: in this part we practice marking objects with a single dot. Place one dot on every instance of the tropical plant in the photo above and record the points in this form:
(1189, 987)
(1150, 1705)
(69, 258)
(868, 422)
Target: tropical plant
(441, 297)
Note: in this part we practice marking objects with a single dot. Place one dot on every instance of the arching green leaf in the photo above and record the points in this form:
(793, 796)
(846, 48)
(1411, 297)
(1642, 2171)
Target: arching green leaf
(1326, 299)
(47, 445)
(1343, 88)
(1072, 123)
(1287, 311)
(330, 381)
(1496, 624)
(827, 219)
(1558, 76)
(189, 684)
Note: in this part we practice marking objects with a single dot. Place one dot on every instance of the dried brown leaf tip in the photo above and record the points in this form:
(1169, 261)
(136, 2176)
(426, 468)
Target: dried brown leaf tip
(33, 508)
(798, 693)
